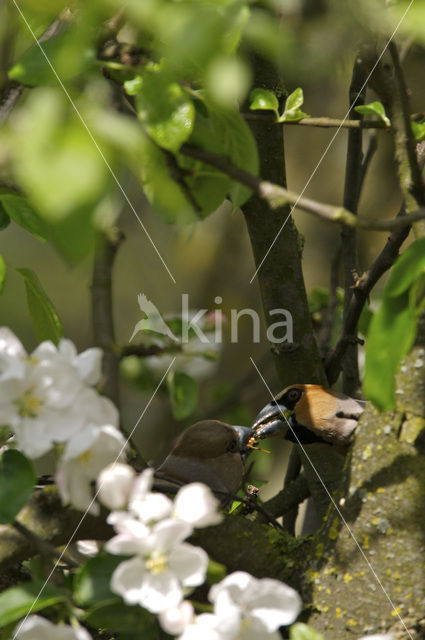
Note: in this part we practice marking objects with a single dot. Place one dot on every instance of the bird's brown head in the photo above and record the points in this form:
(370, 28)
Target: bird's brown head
(208, 439)
(309, 413)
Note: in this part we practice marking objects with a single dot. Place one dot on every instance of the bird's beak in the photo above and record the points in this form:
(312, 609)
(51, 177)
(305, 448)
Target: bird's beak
(271, 421)
(244, 435)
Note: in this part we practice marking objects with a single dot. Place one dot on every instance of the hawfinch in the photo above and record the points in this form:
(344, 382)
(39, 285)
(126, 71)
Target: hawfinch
(307, 413)
(209, 452)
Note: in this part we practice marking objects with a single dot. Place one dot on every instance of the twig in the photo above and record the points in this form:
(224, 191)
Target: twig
(44, 547)
(278, 196)
(291, 496)
(353, 175)
(410, 176)
(359, 296)
(293, 472)
(321, 122)
(372, 146)
(146, 351)
(328, 315)
(102, 312)
(177, 174)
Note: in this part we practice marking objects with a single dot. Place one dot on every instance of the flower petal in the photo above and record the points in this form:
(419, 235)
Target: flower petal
(196, 504)
(114, 484)
(189, 563)
(128, 578)
(160, 592)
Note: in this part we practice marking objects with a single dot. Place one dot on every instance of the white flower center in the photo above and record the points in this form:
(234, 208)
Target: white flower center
(29, 405)
(157, 562)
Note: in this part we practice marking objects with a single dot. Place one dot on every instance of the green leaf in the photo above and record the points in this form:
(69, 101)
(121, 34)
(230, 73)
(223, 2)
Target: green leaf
(20, 211)
(374, 109)
(17, 479)
(222, 131)
(16, 602)
(165, 195)
(45, 320)
(292, 111)
(418, 129)
(68, 54)
(263, 99)
(55, 160)
(2, 273)
(74, 237)
(91, 582)
(301, 631)
(183, 390)
(408, 267)
(228, 80)
(391, 333)
(318, 299)
(116, 616)
(133, 86)
(165, 108)
(4, 218)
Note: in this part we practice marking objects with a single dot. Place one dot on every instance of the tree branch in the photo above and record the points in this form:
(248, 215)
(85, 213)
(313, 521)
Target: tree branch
(277, 196)
(409, 172)
(102, 312)
(291, 496)
(353, 179)
(320, 122)
(359, 296)
(47, 519)
(145, 351)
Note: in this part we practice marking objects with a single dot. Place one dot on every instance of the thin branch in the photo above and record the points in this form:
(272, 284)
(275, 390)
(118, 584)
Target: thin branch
(293, 472)
(410, 175)
(146, 351)
(365, 284)
(102, 312)
(278, 196)
(372, 147)
(46, 517)
(359, 296)
(321, 122)
(353, 178)
(44, 547)
(328, 315)
(290, 497)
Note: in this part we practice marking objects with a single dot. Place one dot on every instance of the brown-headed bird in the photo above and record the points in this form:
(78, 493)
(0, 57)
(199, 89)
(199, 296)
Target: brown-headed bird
(307, 413)
(209, 452)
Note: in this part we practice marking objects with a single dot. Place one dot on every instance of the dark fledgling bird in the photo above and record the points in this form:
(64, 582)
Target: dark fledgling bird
(209, 451)
(308, 413)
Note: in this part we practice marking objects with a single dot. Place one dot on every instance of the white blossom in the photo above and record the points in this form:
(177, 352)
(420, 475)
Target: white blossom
(88, 452)
(163, 565)
(196, 504)
(146, 505)
(206, 626)
(46, 397)
(40, 406)
(38, 628)
(114, 484)
(253, 608)
(175, 620)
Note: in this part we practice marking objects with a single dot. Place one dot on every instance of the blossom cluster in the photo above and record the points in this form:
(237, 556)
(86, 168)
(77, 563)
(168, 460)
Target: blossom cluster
(152, 529)
(49, 401)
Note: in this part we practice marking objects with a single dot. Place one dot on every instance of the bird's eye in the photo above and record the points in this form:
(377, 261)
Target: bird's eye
(233, 447)
(294, 394)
